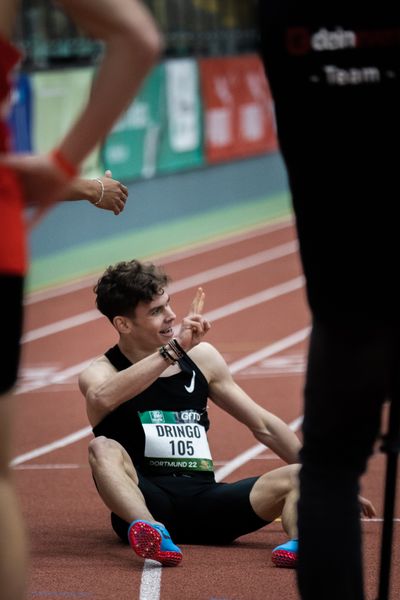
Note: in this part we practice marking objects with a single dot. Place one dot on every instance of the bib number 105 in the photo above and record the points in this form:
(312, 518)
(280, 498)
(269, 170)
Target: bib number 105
(181, 448)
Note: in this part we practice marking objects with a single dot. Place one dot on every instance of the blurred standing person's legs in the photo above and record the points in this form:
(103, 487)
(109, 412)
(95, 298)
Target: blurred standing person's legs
(348, 379)
(13, 549)
(132, 46)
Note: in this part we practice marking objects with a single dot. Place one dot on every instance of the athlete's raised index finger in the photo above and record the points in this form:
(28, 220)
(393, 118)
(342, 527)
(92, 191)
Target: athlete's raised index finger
(198, 302)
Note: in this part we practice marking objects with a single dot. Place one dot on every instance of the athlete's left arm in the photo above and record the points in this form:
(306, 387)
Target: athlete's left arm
(104, 192)
(228, 395)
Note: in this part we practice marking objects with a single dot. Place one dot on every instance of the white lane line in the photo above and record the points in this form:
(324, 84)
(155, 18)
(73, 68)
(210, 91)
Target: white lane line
(201, 277)
(258, 298)
(150, 584)
(62, 325)
(249, 454)
(235, 266)
(377, 520)
(67, 466)
(53, 379)
(49, 467)
(196, 250)
(228, 240)
(61, 443)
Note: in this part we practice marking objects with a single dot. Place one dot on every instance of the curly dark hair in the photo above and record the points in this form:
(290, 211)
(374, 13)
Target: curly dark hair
(124, 285)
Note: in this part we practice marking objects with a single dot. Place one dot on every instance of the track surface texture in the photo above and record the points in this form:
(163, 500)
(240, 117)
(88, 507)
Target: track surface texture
(255, 300)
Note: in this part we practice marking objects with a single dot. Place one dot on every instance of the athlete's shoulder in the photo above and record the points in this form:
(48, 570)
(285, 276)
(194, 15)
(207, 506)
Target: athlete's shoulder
(202, 350)
(99, 361)
(208, 359)
(99, 366)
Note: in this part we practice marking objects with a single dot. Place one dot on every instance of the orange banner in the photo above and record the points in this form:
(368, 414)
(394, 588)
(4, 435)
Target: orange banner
(238, 108)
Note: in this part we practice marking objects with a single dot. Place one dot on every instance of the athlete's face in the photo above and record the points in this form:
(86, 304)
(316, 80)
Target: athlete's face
(153, 322)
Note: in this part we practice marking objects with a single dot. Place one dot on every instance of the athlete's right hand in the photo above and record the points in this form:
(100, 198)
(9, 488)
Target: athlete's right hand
(194, 326)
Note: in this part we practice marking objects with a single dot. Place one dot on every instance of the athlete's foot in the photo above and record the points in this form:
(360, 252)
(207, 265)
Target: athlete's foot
(285, 555)
(151, 540)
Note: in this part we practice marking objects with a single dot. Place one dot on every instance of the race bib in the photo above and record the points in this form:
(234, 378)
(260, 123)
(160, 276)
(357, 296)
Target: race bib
(175, 440)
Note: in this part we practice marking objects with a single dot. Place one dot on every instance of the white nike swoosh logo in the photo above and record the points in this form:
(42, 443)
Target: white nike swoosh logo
(190, 388)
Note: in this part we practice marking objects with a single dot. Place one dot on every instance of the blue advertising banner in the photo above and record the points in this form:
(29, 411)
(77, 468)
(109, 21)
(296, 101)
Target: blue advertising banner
(20, 118)
(130, 150)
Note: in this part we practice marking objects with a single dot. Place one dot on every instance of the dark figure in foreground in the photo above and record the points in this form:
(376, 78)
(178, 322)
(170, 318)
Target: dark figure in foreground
(334, 71)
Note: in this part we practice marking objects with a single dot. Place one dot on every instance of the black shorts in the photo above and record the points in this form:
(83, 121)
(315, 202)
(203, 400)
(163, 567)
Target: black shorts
(11, 288)
(197, 510)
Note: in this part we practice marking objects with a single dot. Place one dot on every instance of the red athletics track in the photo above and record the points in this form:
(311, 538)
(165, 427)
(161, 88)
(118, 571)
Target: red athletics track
(255, 301)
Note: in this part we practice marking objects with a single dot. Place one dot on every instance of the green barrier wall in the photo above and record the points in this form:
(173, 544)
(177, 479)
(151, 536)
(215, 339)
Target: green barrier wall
(181, 139)
(161, 132)
(57, 98)
(130, 150)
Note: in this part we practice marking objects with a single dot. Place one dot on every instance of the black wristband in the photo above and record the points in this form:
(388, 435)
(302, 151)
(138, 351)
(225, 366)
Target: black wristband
(166, 355)
(176, 348)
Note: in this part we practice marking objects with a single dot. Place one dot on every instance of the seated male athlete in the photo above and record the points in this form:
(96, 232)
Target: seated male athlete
(147, 403)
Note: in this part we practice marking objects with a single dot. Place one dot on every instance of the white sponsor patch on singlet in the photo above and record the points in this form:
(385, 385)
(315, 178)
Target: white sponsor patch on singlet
(175, 440)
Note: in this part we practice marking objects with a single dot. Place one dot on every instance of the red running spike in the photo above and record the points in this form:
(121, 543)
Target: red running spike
(146, 541)
(284, 559)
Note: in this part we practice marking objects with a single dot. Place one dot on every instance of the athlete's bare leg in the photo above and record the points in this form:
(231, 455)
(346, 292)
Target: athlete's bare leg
(13, 547)
(116, 480)
(275, 495)
(117, 483)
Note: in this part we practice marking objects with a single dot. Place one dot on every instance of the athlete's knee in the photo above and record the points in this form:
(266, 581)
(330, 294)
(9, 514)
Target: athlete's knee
(282, 482)
(103, 451)
(293, 476)
(288, 479)
(275, 485)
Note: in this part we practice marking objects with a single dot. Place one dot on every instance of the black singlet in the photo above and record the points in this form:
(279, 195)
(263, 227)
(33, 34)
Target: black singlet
(173, 413)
